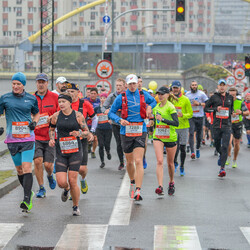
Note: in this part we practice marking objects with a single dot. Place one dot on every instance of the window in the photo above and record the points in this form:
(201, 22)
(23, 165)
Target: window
(74, 4)
(30, 21)
(92, 15)
(5, 21)
(82, 3)
(7, 33)
(18, 1)
(6, 9)
(92, 25)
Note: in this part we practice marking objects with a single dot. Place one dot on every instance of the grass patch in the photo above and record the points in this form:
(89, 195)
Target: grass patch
(4, 175)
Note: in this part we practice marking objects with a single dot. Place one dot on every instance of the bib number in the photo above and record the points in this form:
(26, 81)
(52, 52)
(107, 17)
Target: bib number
(162, 131)
(178, 109)
(102, 118)
(196, 109)
(43, 121)
(20, 129)
(134, 129)
(235, 119)
(69, 145)
(223, 114)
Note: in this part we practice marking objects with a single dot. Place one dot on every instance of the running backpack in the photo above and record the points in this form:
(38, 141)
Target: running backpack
(124, 113)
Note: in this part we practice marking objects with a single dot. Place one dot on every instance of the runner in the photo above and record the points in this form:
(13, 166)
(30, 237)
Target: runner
(120, 87)
(18, 106)
(197, 99)
(221, 104)
(60, 85)
(70, 126)
(133, 129)
(87, 110)
(247, 119)
(240, 110)
(184, 112)
(165, 121)
(103, 131)
(44, 154)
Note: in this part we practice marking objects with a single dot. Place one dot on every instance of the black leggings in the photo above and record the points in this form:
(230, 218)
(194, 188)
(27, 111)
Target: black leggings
(116, 132)
(104, 139)
(196, 124)
(183, 154)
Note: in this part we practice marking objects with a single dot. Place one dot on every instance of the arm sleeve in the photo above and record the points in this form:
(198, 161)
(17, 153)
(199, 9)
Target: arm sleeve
(244, 107)
(175, 121)
(35, 109)
(108, 102)
(1, 105)
(94, 123)
(150, 100)
(209, 106)
(114, 108)
(189, 113)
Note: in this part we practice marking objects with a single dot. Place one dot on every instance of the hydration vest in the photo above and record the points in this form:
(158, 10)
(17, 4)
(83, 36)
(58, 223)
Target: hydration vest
(124, 113)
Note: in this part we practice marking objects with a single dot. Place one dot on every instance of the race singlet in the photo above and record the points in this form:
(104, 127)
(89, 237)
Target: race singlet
(69, 145)
(196, 109)
(134, 129)
(162, 131)
(223, 114)
(20, 129)
(102, 118)
(235, 119)
(43, 121)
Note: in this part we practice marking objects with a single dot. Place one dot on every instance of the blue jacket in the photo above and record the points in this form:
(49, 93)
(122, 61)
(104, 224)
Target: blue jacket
(133, 108)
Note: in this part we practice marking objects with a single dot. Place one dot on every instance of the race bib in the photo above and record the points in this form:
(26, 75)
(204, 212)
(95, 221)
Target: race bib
(223, 114)
(162, 131)
(43, 121)
(102, 118)
(196, 109)
(248, 117)
(20, 129)
(235, 119)
(134, 129)
(178, 109)
(69, 145)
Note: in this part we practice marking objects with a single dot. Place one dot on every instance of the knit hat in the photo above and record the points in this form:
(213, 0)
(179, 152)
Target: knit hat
(19, 76)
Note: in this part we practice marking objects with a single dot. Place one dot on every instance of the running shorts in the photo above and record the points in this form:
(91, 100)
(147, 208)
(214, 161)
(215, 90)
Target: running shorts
(247, 124)
(167, 144)
(237, 130)
(42, 149)
(130, 143)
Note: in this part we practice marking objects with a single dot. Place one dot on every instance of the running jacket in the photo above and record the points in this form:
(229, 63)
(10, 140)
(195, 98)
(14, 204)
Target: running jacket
(49, 105)
(218, 100)
(18, 108)
(184, 105)
(133, 108)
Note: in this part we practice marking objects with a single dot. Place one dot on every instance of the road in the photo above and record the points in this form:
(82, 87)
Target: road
(205, 213)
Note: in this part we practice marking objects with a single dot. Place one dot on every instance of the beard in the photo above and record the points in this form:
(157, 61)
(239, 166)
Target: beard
(63, 89)
(193, 90)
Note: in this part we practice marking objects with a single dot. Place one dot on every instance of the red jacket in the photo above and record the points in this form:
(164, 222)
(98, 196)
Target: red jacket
(47, 107)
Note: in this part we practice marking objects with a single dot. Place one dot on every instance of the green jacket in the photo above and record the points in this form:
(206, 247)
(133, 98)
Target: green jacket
(184, 105)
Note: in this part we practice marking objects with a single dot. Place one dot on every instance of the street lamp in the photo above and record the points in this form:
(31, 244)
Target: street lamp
(149, 60)
(137, 61)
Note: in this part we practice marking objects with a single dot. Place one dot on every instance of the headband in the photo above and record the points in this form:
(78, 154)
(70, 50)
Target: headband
(66, 97)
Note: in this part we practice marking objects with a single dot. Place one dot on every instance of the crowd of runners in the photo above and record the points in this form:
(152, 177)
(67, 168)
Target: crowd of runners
(58, 130)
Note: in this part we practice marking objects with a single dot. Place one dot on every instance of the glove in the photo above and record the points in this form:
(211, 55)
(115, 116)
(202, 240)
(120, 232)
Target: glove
(32, 125)
(1, 130)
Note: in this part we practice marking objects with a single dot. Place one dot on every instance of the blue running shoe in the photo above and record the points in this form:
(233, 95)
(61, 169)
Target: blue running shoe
(198, 153)
(41, 193)
(219, 161)
(222, 172)
(176, 165)
(144, 163)
(182, 172)
(52, 181)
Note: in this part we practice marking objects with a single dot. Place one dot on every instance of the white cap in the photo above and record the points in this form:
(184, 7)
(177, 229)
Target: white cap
(61, 79)
(150, 91)
(131, 78)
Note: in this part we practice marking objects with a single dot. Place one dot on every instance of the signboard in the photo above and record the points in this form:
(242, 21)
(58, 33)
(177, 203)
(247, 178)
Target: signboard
(106, 19)
(240, 86)
(239, 74)
(103, 86)
(104, 69)
(230, 81)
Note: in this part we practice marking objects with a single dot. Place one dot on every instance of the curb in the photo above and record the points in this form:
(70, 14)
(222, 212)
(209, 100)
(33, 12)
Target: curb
(8, 185)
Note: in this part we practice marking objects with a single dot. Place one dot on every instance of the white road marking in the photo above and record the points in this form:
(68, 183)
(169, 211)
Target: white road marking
(176, 237)
(246, 232)
(83, 236)
(7, 231)
(123, 205)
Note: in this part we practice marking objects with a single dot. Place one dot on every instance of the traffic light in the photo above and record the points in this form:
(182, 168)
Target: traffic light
(247, 65)
(180, 10)
(107, 55)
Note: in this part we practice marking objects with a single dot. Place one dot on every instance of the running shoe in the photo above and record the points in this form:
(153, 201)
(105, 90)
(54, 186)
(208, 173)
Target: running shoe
(188, 149)
(211, 144)
(159, 190)
(52, 181)
(182, 172)
(198, 154)
(84, 186)
(171, 188)
(76, 211)
(102, 165)
(109, 156)
(121, 166)
(228, 160)
(132, 189)
(219, 161)
(144, 163)
(93, 156)
(41, 193)
(234, 165)
(26, 206)
(215, 152)
(65, 195)
(192, 156)
(222, 172)
(203, 142)
(176, 165)
(137, 195)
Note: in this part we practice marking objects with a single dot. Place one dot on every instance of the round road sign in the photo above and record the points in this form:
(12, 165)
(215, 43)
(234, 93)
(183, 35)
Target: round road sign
(104, 69)
(239, 74)
(103, 86)
(230, 80)
(240, 86)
